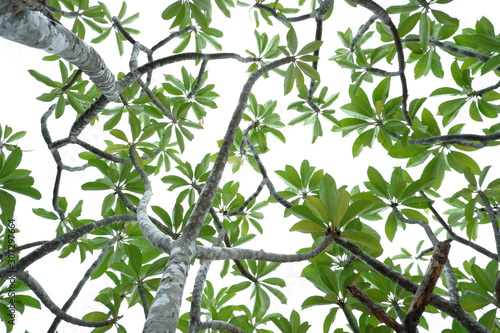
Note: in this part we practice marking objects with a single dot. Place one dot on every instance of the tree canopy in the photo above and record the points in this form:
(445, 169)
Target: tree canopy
(228, 140)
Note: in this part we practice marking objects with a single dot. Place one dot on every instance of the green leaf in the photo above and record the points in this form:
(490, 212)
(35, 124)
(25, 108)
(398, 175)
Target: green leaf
(308, 70)
(473, 302)
(95, 316)
(354, 210)
(118, 134)
(444, 18)
(487, 42)
(315, 300)
(135, 258)
(116, 148)
(7, 202)
(45, 214)
(363, 238)
(135, 125)
(377, 182)
(340, 204)
(291, 40)
(310, 47)
(303, 212)
(289, 78)
(317, 208)
(424, 31)
(11, 163)
(44, 79)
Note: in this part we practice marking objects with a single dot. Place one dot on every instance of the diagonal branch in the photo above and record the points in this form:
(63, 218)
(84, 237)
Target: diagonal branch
(47, 301)
(374, 308)
(59, 241)
(83, 281)
(452, 309)
(458, 238)
(426, 287)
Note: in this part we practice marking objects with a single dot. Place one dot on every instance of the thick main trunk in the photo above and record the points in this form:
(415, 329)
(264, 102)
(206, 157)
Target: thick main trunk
(33, 29)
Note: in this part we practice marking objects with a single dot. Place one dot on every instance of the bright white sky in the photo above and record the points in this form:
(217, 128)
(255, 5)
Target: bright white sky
(22, 111)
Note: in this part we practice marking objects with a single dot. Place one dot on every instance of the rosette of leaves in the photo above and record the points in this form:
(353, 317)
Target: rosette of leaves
(331, 211)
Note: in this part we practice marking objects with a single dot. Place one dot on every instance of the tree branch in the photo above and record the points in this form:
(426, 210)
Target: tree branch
(384, 17)
(493, 221)
(57, 242)
(83, 281)
(456, 237)
(47, 301)
(350, 318)
(426, 287)
(452, 309)
(221, 325)
(374, 308)
(36, 30)
(158, 239)
(237, 253)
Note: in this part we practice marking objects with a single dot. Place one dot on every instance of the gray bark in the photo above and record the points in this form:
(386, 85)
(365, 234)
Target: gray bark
(33, 29)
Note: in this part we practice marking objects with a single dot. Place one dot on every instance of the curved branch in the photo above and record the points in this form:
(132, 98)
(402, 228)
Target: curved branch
(197, 85)
(33, 29)
(47, 301)
(450, 48)
(82, 282)
(282, 19)
(266, 179)
(456, 237)
(251, 198)
(133, 208)
(158, 239)
(236, 253)
(187, 29)
(227, 241)
(199, 285)
(57, 242)
(384, 17)
(451, 281)
(350, 318)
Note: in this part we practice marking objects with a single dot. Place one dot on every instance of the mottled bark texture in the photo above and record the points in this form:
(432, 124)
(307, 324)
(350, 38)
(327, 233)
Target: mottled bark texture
(23, 25)
(426, 287)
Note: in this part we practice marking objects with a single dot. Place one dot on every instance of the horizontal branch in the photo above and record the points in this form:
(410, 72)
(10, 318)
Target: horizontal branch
(219, 253)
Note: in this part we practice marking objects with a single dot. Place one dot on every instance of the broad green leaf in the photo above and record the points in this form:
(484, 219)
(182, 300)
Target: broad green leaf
(363, 238)
(444, 18)
(318, 208)
(289, 79)
(473, 302)
(308, 70)
(377, 182)
(291, 40)
(424, 31)
(340, 205)
(45, 213)
(354, 210)
(310, 47)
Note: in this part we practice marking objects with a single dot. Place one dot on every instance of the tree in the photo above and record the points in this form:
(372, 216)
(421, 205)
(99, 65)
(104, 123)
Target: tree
(138, 237)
